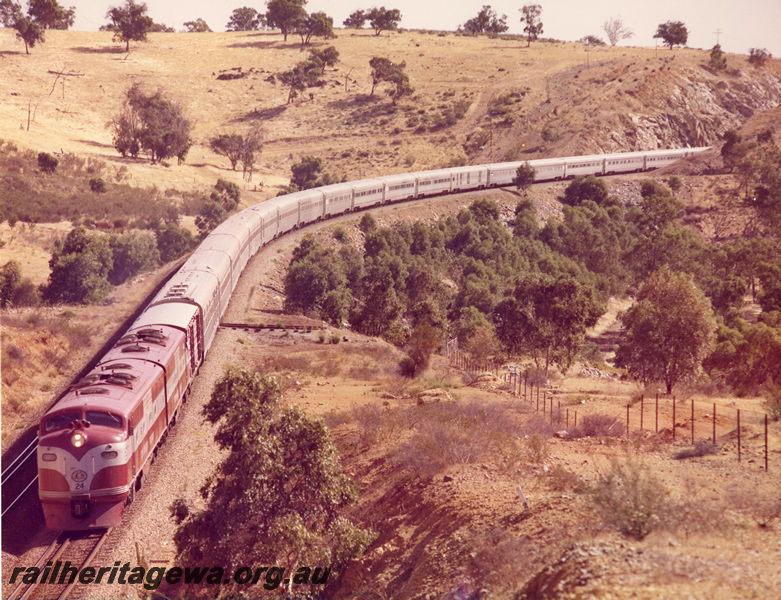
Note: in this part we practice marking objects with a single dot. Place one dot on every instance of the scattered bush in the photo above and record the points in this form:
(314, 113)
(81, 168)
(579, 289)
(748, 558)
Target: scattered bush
(97, 185)
(449, 433)
(562, 479)
(10, 277)
(701, 448)
(26, 294)
(597, 425)
(47, 163)
(758, 56)
(771, 392)
(630, 497)
(340, 235)
(376, 423)
(407, 367)
(537, 449)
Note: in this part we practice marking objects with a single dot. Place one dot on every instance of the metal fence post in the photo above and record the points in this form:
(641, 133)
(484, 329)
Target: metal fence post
(692, 420)
(627, 420)
(714, 423)
(656, 424)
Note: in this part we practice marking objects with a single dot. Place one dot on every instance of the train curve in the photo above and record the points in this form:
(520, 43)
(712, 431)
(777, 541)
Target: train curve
(96, 444)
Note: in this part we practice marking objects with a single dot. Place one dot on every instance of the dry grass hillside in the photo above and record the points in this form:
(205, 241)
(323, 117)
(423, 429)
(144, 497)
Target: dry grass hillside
(476, 100)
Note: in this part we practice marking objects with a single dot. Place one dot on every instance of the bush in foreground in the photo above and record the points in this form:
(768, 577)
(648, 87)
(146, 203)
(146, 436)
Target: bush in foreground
(630, 497)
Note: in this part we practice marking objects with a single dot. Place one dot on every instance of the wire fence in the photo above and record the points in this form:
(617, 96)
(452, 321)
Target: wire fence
(681, 420)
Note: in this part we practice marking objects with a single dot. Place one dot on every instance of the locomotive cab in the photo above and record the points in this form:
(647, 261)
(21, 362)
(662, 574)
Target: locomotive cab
(82, 466)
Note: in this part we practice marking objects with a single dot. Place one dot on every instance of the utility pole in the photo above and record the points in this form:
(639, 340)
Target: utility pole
(718, 32)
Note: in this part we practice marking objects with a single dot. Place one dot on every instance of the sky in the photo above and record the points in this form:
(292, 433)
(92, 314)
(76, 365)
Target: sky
(743, 24)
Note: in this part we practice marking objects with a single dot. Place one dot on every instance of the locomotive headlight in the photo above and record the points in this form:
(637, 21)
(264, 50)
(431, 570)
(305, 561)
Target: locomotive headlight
(78, 439)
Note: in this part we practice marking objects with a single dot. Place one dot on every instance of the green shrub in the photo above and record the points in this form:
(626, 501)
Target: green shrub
(134, 253)
(340, 235)
(97, 185)
(173, 241)
(407, 366)
(79, 269)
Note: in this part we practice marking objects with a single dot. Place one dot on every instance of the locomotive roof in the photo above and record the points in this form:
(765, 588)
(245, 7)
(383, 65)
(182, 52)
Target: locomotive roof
(189, 284)
(123, 377)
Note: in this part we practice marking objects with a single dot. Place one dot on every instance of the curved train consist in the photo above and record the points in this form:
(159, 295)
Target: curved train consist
(97, 442)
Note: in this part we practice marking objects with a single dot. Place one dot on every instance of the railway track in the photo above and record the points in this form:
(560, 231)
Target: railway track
(77, 548)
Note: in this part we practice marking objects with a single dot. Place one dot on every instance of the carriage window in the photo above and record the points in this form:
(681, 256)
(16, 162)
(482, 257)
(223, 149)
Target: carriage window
(107, 419)
(60, 421)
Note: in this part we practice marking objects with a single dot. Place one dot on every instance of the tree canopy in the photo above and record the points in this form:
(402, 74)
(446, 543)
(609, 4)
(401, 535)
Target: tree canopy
(129, 22)
(80, 265)
(533, 22)
(282, 480)
(245, 19)
(151, 122)
(356, 20)
(41, 15)
(547, 317)
(385, 70)
(316, 24)
(383, 19)
(615, 30)
(486, 21)
(668, 331)
(673, 33)
(197, 26)
(285, 15)
(50, 15)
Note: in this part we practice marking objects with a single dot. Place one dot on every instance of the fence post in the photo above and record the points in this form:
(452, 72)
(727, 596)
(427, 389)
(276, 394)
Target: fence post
(656, 424)
(692, 421)
(627, 420)
(673, 418)
(538, 398)
(765, 442)
(576, 419)
(738, 435)
(524, 386)
(642, 411)
(544, 398)
(714, 423)
(567, 418)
